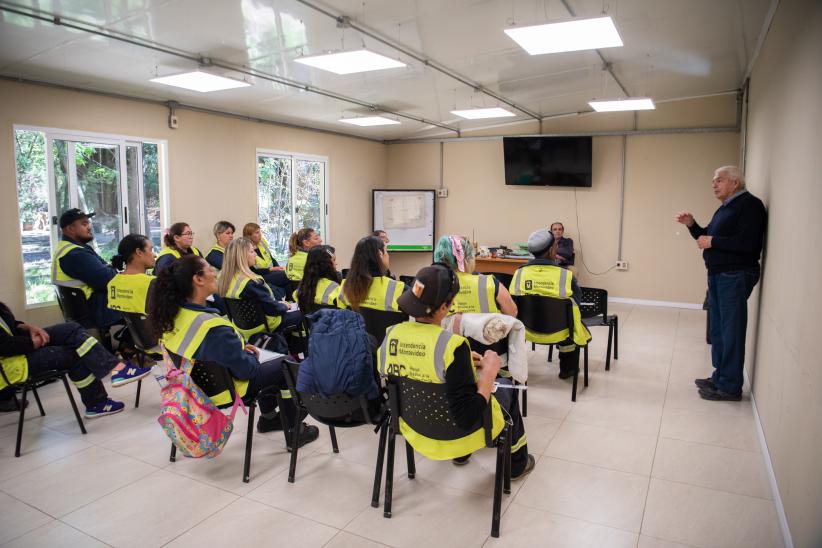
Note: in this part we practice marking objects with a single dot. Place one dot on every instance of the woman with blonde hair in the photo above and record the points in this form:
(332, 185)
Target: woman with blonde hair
(265, 264)
(298, 245)
(238, 281)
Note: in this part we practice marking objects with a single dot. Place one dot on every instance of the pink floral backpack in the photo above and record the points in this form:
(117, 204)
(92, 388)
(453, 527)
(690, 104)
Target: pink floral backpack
(189, 418)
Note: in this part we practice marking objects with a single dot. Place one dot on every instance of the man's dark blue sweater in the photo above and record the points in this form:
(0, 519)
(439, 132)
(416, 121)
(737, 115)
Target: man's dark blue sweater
(737, 227)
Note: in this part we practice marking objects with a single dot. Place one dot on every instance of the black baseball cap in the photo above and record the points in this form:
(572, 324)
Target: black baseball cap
(433, 286)
(74, 214)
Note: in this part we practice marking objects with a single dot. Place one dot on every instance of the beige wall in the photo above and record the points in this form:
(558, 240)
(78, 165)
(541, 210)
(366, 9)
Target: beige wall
(211, 168)
(784, 169)
(664, 173)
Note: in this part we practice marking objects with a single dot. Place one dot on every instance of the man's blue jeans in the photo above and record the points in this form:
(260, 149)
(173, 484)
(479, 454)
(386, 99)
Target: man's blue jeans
(728, 294)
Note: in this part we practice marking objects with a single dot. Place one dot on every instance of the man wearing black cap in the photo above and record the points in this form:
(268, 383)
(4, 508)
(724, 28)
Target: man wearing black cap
(425, 352)
(542, 276)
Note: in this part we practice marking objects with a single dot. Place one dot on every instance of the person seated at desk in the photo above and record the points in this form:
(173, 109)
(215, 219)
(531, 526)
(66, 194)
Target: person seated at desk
(382, 235)
(321, 280)
(265, 264)
(367, 284)
(542, 276)
(179, 241)
(224, 233)
(478, 292)
(299, 244)
(441, 357)
(190, 329)
(237, 281)
(27, 350)
(77, 264)
(128, 290)
(565, 246)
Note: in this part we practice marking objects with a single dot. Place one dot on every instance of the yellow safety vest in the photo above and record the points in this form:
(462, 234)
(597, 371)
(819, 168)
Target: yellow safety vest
(128, 292)
(177, 254)
(296, 265)
(264, 258)
(216, 247)
(15, 368)
(549, 281)
(235, 289)
(476, 294)
(58, 277)
(327, 292)
(382, 294)
(190, 330)
(424, 352)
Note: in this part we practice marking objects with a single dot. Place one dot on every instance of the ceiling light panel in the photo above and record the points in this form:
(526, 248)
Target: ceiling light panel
(367, 121)
(198, 80)
(631, 103)
(350, 62)
(480, 113)
(576, 35)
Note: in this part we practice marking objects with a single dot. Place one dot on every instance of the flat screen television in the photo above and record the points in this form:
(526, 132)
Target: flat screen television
(548, 161)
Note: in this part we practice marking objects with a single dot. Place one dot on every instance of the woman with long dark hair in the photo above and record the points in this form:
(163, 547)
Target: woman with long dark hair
(191, 329)
(299, 243)
(367, 283)
(128, 290)
(321, 281)
(179, 241)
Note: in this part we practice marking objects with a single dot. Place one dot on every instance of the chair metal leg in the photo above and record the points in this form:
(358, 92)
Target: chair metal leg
(616, 337)
(137, 399)
(73, 405)
(389, 474)
(173, 456)
(375, 495)
(585, 362)
(37, 399)
(550, 353)
(333, 434)
(409, 458)
(608, 351)
(498, 482)
(533, 346)
(525, 400)
(574, 387)
(249, 436)
(21, 419)
(506, 485)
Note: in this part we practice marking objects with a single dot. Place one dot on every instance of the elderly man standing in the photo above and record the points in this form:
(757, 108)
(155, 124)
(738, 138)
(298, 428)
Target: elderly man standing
(731, 244)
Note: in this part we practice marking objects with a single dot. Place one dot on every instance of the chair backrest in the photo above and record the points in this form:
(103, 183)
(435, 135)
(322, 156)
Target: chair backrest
(73, 303)
(424, 407)
(344, 273)
(407, 280)
(593, 302)
(336, 410)
(245, 313)
(500, 347)
(544, 314)
(140, 330)
(211, 377)
(377, 321)
(502, 278)
(313, 307)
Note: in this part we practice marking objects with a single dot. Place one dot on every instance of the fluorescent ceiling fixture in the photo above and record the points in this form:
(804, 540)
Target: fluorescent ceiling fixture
(349, 62)
(572, 35)
(478, 113)
(200, 81)
(632, 103)
(369, 121)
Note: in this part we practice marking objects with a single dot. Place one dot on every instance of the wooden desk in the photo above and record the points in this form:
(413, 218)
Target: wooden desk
(506, 266)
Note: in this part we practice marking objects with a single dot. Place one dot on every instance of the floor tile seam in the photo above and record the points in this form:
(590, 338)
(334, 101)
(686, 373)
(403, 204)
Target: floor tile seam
(215, 512)
(356, 535)
(599, 466)
(718, 412)
(591, 522)
(754, 451)
(39, 466)
(669, 540)
(724, 491)
(618, 428)
(84, 533)
(53, 518)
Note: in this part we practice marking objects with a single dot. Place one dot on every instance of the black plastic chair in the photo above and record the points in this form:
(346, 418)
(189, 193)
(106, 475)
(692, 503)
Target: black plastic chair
(502, 278)
(407, 280)
(31, 383)
(424, 407)
(593, 307)
(248, 314)
(500, 347)
(213, 379)
(336, 411)
(549, 315)
(145, 342)
(378, 321)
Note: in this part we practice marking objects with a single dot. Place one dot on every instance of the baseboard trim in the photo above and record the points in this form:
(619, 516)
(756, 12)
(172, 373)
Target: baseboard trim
(644, 302)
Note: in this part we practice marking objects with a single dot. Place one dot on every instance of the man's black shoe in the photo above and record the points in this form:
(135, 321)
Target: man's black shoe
(309, 433)
(460, 461)
(705, 383)
(269, 425)
(529, 466)
(568, 374)
(718, 395)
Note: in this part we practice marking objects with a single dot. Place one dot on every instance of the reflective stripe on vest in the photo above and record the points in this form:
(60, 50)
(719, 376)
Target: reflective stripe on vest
(264, 259)
(15, 368)
(58, 277)
(175, 253)
(128, 292)
(296, 265)
(476, 294)
(331, 292)
(382, 294)
(235, 290)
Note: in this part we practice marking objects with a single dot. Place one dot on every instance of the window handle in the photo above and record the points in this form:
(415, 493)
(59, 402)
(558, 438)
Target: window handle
(125, 213)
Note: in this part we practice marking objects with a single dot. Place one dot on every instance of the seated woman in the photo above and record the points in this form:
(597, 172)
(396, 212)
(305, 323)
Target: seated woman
(224, 233)
(128, 290)
(321, 281)
(265, 264)
(367, 284)
(190, 329)
(299, 244)
(237, 281)
(437, 356)
(179, 241)
(478, 292)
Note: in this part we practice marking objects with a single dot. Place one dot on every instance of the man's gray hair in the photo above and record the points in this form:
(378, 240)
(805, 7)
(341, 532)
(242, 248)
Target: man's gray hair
(734, 174)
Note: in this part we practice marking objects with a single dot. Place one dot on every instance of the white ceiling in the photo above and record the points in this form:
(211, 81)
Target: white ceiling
(673, 49)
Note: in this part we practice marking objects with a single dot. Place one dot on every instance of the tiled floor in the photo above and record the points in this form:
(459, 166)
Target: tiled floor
(638, 461)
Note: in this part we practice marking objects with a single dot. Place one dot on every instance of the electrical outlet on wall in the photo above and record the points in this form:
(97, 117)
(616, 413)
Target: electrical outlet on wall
(442, 193)
(622, 265)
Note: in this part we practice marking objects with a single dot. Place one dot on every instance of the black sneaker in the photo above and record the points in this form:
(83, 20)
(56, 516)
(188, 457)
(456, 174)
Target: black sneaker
(705, 383)
(568, 374)
(529, 466)
(309, 433)
(265, 424)
(461, 461)
(715, 394)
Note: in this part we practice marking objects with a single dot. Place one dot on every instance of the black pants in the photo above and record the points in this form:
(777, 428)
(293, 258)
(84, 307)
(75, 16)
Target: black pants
(267, 383)
(279, 284)
(509, 402)
(568, 360)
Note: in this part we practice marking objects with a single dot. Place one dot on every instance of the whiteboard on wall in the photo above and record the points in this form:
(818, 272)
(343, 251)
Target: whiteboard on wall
(407, 216)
